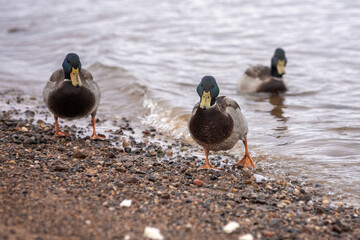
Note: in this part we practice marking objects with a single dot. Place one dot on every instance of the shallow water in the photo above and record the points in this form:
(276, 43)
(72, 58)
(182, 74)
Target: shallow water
(148, 57)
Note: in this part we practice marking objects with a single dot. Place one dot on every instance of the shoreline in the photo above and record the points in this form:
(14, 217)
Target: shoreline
(72, 188)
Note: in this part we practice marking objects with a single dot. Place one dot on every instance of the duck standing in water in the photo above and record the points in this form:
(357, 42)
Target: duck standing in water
(260, 78)
(71, 93)
(216, 123)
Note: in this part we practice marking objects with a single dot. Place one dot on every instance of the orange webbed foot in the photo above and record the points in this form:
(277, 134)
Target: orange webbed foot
(208, 166)
(97, 137)
(246, 161)
(61, 134)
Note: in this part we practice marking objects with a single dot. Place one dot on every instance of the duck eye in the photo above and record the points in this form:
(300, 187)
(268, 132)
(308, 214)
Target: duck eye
(67, 60)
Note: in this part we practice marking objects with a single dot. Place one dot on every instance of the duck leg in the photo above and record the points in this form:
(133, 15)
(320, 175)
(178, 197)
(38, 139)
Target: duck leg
(57, 131)
(207, 163)
(94, 135)
(246, 160)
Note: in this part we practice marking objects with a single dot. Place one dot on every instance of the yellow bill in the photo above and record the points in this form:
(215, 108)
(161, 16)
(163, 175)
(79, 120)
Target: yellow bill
(75, 77)
(205, 100)
(281, 66)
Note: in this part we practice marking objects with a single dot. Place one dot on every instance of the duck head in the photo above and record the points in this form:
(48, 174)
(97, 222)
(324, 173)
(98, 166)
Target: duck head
(278, 63)
(72, 67)
(208, 90)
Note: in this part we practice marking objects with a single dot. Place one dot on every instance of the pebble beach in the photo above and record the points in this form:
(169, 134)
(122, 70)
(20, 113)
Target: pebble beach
(125, 188)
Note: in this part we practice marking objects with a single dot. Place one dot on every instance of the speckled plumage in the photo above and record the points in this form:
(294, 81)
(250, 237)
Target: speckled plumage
(69, 102)
(261, 78)
(72, 93)
(217, 123)
(220, 127)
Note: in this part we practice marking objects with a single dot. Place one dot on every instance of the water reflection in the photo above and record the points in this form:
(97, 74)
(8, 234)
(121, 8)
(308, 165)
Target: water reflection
(277, 101)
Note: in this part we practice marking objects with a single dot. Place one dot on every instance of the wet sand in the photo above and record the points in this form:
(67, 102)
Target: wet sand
(72, 188)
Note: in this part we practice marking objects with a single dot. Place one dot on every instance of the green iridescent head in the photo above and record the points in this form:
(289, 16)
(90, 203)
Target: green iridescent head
(208, 90)
(278, 63)
(72, 67)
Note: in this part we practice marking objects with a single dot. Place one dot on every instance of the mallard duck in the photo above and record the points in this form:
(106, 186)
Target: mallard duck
(72, 93)
(260, 78)
(216, 123)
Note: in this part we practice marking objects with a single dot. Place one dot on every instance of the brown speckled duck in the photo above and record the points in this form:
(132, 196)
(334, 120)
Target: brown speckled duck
(71, 93)
(216, 123)
(260, 78)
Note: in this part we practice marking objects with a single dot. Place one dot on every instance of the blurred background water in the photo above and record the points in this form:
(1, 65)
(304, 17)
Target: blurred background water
(148, 56)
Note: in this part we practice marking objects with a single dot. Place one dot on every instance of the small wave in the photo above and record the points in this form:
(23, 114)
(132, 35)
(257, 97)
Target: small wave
(169, 120)
(122, 92)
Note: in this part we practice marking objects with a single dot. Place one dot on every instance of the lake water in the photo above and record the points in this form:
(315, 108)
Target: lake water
(148, 56)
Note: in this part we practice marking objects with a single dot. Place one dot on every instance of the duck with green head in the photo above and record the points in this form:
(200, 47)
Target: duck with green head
(71, 93)
(217, 123)
(261, 78)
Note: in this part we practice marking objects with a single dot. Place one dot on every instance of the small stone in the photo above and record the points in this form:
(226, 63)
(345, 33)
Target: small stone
(8, 123)
(169, 153)
(165, 195)
(23, 129)
(61, 167)
(268, 186)
(188, 225)
(319, 210)
(325, 200)
(198, 182)
(248, 182)
(132, 179)
(153, 233)
(92, 171)
(40, 122)
(281, 205)
(296, 191)
(29, 113)
(230, 195)
(126, 203)
(268, 234)
(282, 196)
(88, 222)
(337, 229)
(176, 184)
(246, 237)
(125, 144)
(184, 149)
(152, 152)
(339, 204)
(258, 179)
(80, 154)
(30, 141)
(231, 226)
(12, 162)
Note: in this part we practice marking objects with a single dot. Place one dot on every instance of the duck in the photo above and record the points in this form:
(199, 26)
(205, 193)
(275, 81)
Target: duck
(71, 93)
(217, 123)
(261, 78)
